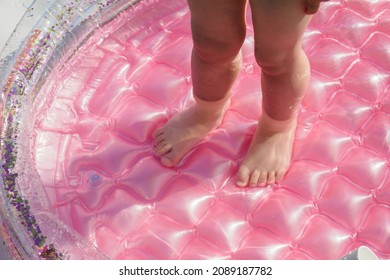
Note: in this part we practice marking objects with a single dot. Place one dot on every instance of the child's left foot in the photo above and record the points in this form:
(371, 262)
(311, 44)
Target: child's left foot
(269, 154)
(186, 129)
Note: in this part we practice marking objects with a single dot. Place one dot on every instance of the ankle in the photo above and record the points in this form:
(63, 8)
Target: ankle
(277, 125)
(211, 109)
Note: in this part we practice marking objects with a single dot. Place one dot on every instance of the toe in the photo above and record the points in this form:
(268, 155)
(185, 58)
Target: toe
(271, 177)
(157, 132)
(243, 176)
(263, 179)
(158, 139)
(254, 180)
(166, 162)
(162, 148)
(279, 176)
(171, 158)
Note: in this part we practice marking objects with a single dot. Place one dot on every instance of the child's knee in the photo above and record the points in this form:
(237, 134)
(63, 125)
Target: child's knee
(213, 49)
(276, 62)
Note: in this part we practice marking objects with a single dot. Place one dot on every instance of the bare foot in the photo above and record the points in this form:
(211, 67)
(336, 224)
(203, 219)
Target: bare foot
(269, 154)
(187, 129)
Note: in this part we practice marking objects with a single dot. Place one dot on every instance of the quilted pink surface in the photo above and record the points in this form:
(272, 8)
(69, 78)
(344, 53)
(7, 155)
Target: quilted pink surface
(93, 148)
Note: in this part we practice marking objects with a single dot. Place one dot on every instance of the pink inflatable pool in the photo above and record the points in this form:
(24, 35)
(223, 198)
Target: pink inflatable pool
(92, 145)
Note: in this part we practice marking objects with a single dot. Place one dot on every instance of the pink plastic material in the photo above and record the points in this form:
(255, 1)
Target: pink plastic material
(93, 147)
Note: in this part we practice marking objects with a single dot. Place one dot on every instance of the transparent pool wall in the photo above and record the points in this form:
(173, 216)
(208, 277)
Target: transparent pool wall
(48, 35)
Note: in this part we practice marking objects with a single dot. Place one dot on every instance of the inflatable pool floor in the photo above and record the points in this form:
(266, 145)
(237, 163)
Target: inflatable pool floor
(91, 145)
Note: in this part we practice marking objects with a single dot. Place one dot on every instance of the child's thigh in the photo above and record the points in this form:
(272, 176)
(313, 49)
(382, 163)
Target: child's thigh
(218, 21)
(279, 25)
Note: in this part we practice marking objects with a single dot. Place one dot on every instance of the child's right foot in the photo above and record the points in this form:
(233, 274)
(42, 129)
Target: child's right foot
(269, 154)
(186, 129)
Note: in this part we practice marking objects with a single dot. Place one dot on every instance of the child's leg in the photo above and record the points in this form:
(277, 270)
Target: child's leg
(279, 26)
(218, 31)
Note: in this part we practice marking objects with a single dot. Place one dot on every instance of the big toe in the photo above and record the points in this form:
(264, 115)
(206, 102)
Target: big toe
(167, 162)
(242, 176)
(171, 159)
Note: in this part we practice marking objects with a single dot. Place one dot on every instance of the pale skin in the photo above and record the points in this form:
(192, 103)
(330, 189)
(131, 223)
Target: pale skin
(218, 31)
